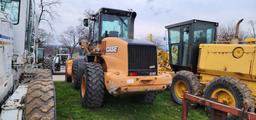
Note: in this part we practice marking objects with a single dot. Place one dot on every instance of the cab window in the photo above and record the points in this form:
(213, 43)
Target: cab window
(204, 34)
(199, 35)
(96, 31)
(12, 8)
(210, 33)
(174, 35)
(115, 26)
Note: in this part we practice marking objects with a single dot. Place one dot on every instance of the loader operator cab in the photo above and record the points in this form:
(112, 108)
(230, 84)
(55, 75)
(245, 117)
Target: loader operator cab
(184, 40)
(110, 23)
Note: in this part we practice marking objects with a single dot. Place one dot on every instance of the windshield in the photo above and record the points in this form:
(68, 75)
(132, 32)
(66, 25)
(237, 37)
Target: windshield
(11, 7)
(115, 26)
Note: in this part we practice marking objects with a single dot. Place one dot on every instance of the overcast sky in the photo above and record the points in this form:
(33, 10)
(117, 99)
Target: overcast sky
(154, 15)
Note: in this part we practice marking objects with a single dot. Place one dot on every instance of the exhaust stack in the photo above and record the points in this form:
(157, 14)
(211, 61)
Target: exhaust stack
(235, 39)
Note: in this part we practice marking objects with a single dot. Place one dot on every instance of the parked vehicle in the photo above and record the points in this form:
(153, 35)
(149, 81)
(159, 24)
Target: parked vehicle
(59, 63)
(222, 71)
(115, 62)
(26, 92)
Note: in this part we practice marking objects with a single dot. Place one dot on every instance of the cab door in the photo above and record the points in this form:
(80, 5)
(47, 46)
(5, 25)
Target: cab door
(202, 33)
(179, 46)
(185, 45)
(175, 45)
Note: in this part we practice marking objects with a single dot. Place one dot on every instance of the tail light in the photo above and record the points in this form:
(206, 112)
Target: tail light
(133, 74)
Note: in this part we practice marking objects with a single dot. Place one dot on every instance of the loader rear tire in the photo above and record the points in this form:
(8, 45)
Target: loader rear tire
(184, 81)
(231, 91)
(78, 68)
(40, 101)
(92, 86)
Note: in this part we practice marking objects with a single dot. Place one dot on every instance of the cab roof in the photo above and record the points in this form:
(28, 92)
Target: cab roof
(191, 22)
(116, 12)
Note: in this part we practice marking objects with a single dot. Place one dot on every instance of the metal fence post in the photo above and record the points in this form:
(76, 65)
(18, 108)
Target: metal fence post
(184, 107)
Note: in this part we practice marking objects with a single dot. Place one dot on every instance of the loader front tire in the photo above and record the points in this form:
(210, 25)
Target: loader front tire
(184, 81)
(77, 71)
(40, 101)
(92, 86)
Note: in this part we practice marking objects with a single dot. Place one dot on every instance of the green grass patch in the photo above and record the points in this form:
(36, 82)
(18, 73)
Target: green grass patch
(118, 108)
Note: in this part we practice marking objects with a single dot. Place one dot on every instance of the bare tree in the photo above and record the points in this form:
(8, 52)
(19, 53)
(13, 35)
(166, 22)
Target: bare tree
(44, 37)
(88, 13)
(226, 33)
(253, 28)
(70, 38)
(47, 12)
(81, 31)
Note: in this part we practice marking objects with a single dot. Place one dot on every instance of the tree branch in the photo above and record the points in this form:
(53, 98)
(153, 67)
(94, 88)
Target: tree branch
(47, 14)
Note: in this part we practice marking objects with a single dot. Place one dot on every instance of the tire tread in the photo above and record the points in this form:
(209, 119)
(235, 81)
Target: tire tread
(94, 86)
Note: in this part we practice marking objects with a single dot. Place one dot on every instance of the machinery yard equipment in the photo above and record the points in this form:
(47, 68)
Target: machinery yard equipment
(220, 71)
(26, 92)
(114, 61)
(59, 63)
(55, 60)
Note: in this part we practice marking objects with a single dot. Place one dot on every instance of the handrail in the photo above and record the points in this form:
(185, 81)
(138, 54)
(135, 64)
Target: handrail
(188, 98)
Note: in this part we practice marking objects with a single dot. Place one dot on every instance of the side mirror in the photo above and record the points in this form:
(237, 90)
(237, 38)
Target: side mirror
(86, 22)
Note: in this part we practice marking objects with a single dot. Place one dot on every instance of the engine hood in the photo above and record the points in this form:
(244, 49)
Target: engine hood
(139, 42)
